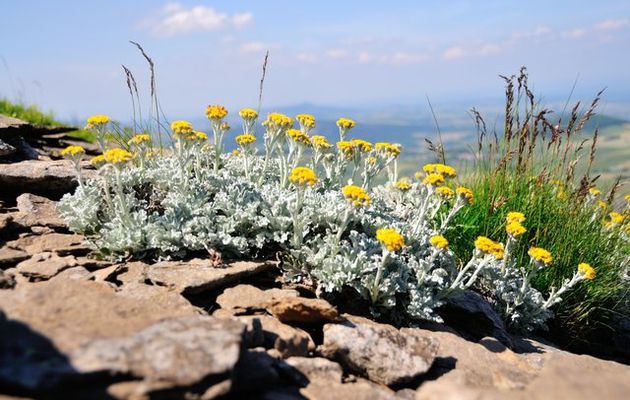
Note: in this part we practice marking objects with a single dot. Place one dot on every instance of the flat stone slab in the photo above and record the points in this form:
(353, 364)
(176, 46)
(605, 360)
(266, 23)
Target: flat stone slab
(198, 275)
(46, 178)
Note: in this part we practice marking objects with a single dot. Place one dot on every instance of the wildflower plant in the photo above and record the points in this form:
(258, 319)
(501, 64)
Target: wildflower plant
(295, 194)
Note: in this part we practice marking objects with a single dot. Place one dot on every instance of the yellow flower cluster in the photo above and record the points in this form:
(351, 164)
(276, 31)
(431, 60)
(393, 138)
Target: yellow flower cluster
(390, 238)
(248, 113)
(306, 120)
(615, 218)
(182, 127)
(515, 228)
(587, 271)
(627, 197)
(541, 255)
(402, 185)
(72, 151)
(139, 139)
(388, 148)
(345, 123)
(442, 169)
(346, 147)
(489, 246)
(299, 137)
(216, 112)
(117, 156)
(320, 143)
(97, 160)
(302, 176)
(594, 191)
(245, 139)
(465, 194)
(198, 135)
(439, 241)
(362, 145)
(445, 192)
(515, 216)
(356, 195)
(278, 121)
(96, 120)
(433, 179)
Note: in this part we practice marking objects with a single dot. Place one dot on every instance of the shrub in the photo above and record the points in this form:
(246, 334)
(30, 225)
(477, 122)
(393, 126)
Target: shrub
(313, 202)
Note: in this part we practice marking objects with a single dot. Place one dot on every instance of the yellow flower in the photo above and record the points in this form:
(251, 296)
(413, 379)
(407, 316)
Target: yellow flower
(433, 179)
(306, 120)
(345, 123)
(489, 246)
(346, 147)
(515, 228)
(248, 113)
(615, 219)
(278, 121)
(362, 145)
(201, 136)
(587, 271)
(72, 151)
(515, 216)
(371, 160)
(356, 195)
(299, 137)
(390, 238)
(602, 204)
(235, 153)
(419, 175)
(442, 169)
(97, 160)
(96, 120)
(139, 139)
(402, 185)
(439, 241)
(182, 127)
(117, 156)
(541, 255)
(245, 139)
(320, 143)
(303, 176)
(627, 197)
(445, 192)
(465, 194)
(388, 148)
(594, 191)
(216, 112)
(561, 194)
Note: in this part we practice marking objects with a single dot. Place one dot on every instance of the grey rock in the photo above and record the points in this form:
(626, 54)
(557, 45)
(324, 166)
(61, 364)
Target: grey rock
(60, 243)
(317, 368)
(6, 148)
(378, 351)
(37, 211)
(46, 178)
(198, 275)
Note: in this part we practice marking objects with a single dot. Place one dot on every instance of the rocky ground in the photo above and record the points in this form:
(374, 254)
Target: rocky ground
(75, 327)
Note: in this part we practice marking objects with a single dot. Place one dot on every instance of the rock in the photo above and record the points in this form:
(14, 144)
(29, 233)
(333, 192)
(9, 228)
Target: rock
(317, 368)
(180, 351)
(60, 243)
(9, 256)
(248, 298)
(7, 281)
(108, 274)
(52, 324)
(287, 340)
(6, 148)
(255, 372)
(490, 370)
(38, 211)
(359, 390)
(74, 273)
(198, 275)
(472, 313)
(46, 178)
(44, 266)
(14, 128)
(300, 309)
(378, 351)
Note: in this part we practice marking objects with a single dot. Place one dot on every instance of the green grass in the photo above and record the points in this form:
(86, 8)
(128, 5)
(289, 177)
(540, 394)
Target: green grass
(558, 219)
(33, 114)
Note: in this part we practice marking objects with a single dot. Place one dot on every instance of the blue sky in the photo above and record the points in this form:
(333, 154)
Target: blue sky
(67, 55)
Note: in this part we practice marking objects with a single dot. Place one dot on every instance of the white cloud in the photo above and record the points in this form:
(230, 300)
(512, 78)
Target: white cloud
(175, 19)
(403, 58)
(307, 58)
(337, 54)
(611, 24)
(454, 53)
(489, 49)
(255, 47)
(540, 31)
(364, 57)
(575, 33)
